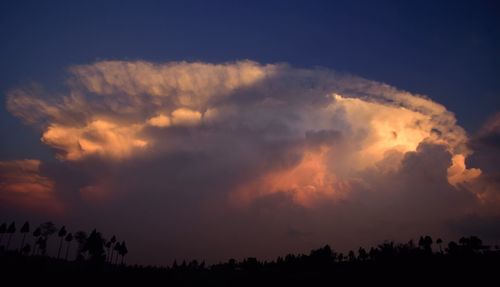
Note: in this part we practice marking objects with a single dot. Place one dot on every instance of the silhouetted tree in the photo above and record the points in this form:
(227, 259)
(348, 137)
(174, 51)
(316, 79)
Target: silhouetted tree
(3, 229)
(406, 249)
(81, 239)
(123, 250)
(109, 246)
(108, 252)
(37, 233)
(62, 232)
(471, 244)
(439, 242)
(95, 246)
(411, 244)
(11, 230)
(387, 249)
(117, 249)
(42, 244)
(68, 239)
(351, 256)
(362, 254)
(373, 253)
(426, 243)
(47, 229)
(24, 229)
(340, 257)
(387, 259)
(322, 256)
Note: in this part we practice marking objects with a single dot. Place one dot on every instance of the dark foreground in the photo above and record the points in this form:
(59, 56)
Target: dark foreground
(467, 262)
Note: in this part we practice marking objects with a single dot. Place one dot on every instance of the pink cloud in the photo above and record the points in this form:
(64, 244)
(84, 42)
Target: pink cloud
(22, 186)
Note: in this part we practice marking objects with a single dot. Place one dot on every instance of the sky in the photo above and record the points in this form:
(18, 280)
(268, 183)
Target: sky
(216, 129)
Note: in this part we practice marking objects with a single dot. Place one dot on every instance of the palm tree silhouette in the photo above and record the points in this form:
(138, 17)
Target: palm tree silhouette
(36, 234)
(110, 244)
(81, 238)
(24, 229)
(3, 229)
(95, 246)
(68, 239)
(42, 243)
(90, 247)
(61, 234)
(123, 250)
(117, 249)
(48, 228)
(11, 230)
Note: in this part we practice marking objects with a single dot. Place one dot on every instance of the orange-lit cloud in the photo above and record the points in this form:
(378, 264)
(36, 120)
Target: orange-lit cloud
(118, 111)
(396, 128)
(309, 181)
(188, 84)
(186, 117)
(160, 121)
(98, 137)
(22, 186)
(458, 173)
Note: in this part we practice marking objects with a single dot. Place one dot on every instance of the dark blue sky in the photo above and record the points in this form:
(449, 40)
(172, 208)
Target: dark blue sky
(448, 50)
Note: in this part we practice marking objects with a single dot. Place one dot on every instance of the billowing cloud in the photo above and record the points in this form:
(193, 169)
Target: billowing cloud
(189, 84)
(97, 137)
(486, 144)
(160, 121)
(111, 104)
(307, 181)
(287, 148)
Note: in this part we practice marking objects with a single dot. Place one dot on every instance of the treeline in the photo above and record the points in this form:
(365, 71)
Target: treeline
(91, 246)
(425, 260)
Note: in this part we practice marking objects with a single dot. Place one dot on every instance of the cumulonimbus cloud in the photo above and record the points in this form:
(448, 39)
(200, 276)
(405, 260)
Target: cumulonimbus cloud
(233, 149)
(119, 110)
